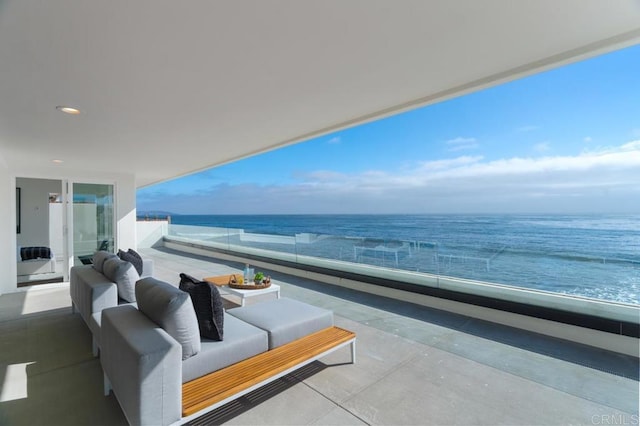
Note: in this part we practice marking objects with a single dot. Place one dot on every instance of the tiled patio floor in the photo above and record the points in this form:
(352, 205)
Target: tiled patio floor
(415, 366)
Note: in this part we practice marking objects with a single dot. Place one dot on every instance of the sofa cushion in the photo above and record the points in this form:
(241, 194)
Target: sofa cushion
(207, 303)
(285, 320)
(132, 257)
(171, 309)
(99, 258)
(124, 275)
(242, 341)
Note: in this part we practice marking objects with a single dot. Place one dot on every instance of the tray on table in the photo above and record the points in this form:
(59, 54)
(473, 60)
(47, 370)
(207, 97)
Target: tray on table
(231, 281)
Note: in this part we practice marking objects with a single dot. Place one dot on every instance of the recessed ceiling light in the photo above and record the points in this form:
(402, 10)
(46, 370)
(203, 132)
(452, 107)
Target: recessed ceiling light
(57, 161)
(68, 110)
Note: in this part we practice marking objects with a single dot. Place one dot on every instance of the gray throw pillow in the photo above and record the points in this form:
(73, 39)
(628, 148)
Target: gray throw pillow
(171, 309)
(99, 258)
(132, 257)
(208, 305)
(124, 275)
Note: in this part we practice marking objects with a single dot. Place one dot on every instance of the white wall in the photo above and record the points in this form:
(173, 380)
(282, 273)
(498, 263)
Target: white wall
(56, 230)
(7, 231)
(34, 210)
(125, 211)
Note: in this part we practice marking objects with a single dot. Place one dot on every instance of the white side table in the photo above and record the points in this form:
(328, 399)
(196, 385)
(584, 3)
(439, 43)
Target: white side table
(245, 294)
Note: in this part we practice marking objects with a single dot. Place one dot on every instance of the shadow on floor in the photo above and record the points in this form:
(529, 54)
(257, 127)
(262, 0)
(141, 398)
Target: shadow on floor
(252, 399)
(48, 372)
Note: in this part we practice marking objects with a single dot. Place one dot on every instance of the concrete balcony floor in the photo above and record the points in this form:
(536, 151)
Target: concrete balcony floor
(414, 366)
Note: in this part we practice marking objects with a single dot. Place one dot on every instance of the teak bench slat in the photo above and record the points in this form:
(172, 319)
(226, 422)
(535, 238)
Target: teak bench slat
(220, 385)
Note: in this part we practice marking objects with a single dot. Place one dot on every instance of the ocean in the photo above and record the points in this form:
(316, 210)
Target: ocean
(596, 256)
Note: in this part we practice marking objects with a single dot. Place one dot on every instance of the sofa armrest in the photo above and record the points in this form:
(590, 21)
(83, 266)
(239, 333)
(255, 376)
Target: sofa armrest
(143, 365)
(147, 268)
(91, 291)
(99, 296)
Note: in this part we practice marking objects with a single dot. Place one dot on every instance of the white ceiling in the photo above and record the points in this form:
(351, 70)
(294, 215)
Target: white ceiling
(171, 87)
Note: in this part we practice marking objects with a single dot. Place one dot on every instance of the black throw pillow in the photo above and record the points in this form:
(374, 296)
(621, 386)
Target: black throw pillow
(207, 303)
(133, 258)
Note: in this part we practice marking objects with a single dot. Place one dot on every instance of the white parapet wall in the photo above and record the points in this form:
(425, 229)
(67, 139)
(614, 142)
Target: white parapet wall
(150, 233)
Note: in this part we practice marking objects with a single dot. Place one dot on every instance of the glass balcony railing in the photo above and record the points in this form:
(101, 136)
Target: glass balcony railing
(597, 285)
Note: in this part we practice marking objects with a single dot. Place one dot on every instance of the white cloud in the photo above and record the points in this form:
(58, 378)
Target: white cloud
(460, 140)
(587, 139)
(449, 163)
(334, 140)
(460, 143)
(321, 176)
(629, 146)
(542, 147)
(606, 180)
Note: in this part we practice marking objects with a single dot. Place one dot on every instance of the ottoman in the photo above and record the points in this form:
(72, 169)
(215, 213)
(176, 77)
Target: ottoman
(284, 320)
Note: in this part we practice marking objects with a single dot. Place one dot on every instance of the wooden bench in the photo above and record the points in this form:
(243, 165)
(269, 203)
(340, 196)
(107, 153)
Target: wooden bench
(219, 387)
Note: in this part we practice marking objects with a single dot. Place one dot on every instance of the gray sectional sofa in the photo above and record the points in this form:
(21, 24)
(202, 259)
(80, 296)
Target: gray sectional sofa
(106, 283)
(148, 353)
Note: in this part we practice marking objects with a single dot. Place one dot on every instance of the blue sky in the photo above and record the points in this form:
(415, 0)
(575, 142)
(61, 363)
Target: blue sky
(563, 141)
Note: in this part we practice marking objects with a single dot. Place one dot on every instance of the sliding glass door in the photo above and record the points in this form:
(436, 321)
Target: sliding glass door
(93, 220)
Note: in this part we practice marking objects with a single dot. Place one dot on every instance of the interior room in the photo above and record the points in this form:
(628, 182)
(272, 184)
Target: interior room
(39, 224)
